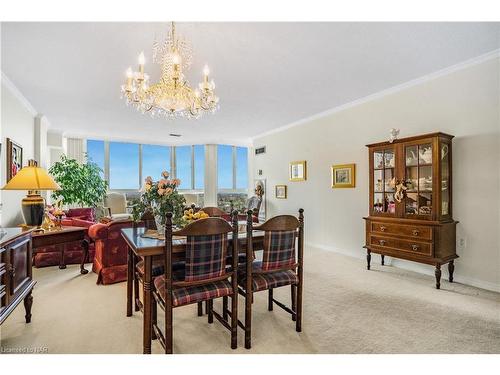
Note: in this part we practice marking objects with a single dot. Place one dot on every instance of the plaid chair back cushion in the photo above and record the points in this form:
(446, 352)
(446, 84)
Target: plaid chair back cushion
(205, 256)
(279, 249)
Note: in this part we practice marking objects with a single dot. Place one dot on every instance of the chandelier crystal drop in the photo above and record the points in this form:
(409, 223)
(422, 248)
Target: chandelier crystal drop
(171, 96)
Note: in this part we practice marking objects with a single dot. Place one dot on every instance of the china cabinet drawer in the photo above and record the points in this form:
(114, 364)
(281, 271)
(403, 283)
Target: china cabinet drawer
(416, 247)
(416, 231)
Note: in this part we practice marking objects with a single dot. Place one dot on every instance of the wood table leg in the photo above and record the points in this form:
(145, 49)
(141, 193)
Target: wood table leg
(85, 256)
(382, 260)
(437, 273)
(28, 302)
(130, 276)
(62, 264)
(368, 258)
(451, 269)
(147, 305)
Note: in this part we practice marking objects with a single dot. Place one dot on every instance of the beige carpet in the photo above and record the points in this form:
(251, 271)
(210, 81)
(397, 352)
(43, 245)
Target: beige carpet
(346, 310)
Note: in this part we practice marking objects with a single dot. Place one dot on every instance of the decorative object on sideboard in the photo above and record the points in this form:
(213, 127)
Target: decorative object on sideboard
(410, 202)
(343, 176)
(298, 170)
(34, 179)
(172, 95)
(257, 203)
(393, 135)
(280, 191)
(14, 158)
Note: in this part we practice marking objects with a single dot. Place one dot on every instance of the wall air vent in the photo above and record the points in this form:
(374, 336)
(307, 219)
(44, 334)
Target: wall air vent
(175, 135)
(260, 150)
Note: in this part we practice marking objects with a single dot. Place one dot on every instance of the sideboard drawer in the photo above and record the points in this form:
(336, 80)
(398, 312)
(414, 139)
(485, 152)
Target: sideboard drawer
(415, 247)
(416, 231)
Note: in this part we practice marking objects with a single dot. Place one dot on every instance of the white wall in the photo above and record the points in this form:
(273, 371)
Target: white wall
(464, 103)
(17, 123)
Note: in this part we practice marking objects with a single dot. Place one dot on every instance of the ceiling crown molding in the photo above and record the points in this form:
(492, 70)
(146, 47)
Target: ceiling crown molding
(415, 82)
(15, 91)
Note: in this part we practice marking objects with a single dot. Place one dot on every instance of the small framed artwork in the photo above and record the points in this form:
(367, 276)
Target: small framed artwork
(298, 171)
(344, 176)
(280, 191)
(14, 158)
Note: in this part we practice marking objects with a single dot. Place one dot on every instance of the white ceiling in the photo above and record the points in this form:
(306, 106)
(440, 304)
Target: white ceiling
(267, 74)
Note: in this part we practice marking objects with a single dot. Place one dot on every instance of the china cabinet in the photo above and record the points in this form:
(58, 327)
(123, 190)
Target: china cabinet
(411, 202)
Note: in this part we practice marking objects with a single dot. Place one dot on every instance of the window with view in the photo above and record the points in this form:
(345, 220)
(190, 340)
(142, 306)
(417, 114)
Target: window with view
(95, 153)
(123, 166)
(232, 177)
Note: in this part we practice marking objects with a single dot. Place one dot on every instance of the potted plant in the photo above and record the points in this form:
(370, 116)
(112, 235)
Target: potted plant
(81, 184)
(161, 197)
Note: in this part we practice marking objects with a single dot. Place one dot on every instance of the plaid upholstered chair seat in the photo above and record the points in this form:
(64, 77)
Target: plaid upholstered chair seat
(186, 295)
(264, 281)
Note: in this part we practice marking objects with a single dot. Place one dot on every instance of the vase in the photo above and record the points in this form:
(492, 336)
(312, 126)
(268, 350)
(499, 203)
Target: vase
(159, 226)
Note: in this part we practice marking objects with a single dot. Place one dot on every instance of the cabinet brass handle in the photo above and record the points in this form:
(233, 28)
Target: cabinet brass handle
(382, 242)
(415, 232)
(12, 271)
(382, 228)
(415, 247)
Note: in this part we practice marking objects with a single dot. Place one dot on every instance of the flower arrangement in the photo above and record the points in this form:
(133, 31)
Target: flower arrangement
(161, 197)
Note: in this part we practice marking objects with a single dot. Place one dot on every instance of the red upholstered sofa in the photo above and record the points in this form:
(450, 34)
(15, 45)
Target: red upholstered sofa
(110, 262)
(73, 252)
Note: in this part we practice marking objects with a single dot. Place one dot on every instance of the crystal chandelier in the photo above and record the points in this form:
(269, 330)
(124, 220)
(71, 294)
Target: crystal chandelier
(172, 95)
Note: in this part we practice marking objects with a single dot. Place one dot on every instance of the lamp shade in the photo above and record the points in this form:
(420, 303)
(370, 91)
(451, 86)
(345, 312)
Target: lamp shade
(32, 177)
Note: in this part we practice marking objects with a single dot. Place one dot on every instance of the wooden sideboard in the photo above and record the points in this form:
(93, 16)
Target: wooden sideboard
(411, 202)
(16, 283)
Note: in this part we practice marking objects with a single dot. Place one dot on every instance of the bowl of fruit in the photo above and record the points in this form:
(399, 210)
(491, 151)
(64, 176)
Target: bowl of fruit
(190, 216)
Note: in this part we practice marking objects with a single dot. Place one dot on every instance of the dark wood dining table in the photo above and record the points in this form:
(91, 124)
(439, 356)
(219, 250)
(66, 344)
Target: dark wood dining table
(146, 248)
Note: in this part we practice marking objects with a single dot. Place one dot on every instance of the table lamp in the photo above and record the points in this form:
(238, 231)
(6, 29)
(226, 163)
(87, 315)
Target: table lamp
(33, 179)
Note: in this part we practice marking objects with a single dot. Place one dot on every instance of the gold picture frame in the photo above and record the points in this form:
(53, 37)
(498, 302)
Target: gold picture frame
(280, 191)
(298, 170)
(343, 176)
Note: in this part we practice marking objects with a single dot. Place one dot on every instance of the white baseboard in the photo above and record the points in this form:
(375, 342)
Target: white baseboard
(412, 266)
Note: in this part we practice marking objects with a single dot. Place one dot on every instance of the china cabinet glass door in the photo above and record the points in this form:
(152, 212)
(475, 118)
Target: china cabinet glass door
(444, 157)
(418, 177)
(384, 164)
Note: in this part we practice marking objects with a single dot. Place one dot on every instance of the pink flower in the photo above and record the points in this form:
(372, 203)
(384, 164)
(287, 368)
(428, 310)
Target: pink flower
(149, 180)
(165, 174)
(176, 182)
(161, 191)
(168, 191)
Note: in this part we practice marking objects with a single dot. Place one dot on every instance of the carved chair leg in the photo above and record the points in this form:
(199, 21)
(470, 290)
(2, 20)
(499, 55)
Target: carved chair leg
(200, 308)
(451, 269)
(210, 311)
(169, 337)
(234, 320)
(294, 302)
(224, 307)
(270, 300)
(368, 258)
(382, 260)
(28, 302)
(154, 317)
(298, 323)
(437, 273)
(248, 320)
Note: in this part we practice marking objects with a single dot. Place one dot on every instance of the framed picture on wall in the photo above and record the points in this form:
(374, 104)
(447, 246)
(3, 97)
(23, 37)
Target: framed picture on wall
(298, 171)
(14, 158)
(280, 191)
(344, 176)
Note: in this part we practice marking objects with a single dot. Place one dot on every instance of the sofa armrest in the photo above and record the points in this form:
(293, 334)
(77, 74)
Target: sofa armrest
(98, 231)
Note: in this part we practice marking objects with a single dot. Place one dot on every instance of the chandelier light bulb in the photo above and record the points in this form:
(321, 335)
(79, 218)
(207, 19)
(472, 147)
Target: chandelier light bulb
(206, 70)
(197, 93)
(176, 59)
(212, 84)
(142, 59)
(129, 72)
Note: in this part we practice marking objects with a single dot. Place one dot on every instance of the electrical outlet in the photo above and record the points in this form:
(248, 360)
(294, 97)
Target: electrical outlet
(462, 243)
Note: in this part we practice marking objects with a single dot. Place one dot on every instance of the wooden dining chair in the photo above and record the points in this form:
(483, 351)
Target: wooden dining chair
(205, 277)
(280, 266)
